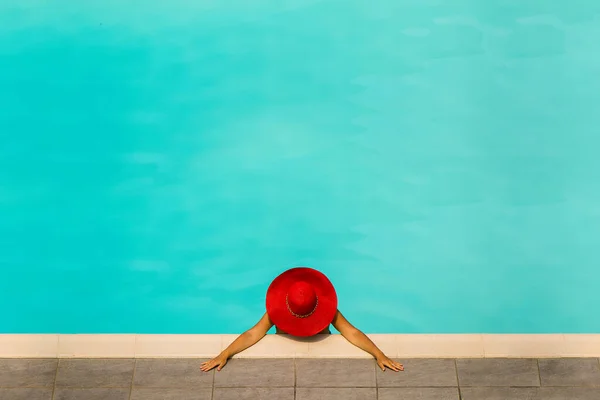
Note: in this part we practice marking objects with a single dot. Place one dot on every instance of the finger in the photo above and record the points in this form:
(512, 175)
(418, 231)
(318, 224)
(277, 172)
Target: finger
(208, 366)
(393, 367)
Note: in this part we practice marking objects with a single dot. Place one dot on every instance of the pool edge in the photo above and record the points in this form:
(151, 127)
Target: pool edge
(282, 346)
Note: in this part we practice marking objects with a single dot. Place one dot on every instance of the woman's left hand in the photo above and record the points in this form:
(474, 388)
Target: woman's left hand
(383, 362)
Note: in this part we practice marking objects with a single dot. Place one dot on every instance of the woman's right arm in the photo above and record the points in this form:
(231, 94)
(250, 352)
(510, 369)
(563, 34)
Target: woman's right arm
(249, 338)
(245, 340)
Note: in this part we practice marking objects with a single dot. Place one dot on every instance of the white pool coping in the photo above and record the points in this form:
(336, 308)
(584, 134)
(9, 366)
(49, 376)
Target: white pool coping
(283, 346)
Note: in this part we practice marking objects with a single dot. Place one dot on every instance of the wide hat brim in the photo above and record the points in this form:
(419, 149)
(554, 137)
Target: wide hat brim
(280, 315)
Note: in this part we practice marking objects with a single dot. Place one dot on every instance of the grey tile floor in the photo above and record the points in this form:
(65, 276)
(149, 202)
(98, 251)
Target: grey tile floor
(300, 379)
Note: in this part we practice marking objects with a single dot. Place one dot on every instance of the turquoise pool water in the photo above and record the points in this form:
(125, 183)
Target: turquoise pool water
(161, 162)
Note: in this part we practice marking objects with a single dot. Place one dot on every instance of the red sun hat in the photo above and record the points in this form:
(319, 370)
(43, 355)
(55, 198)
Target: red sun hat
(301, 301)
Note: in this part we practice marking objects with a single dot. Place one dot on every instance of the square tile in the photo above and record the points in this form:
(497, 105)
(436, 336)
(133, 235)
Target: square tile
(33, 346)
(420, 372)
(91, 394)
(498, 372)
(265, 372)
(388, 343)
(418, 394)
(26, 394)
(171, 373)
(334, 346)
(94, 373)
(440, 346)
(30, 373)
(336, 393)
(570, 372)
(171, 394)
(564, 393)
(227, 339)
(254, 393)
(272, 346)
(97, 346)
(184, 346)
(581, 345)
(498, 393)
(523, 346)
(334, 372)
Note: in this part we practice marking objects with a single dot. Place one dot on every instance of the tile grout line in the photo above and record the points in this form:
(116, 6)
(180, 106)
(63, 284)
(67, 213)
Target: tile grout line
(337, 387)
(377, 381)
(212, 388)
(457, 379)
(132, 378)
(57, 365)
(537, 361)
(295, 378)
(135, 360)
(511, 386)
(55, 376)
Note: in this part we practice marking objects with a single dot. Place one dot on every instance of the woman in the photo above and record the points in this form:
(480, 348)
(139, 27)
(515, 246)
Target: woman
(301, 302)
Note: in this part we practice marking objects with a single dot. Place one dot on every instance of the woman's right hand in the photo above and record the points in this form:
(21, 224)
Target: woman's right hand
(219, 362)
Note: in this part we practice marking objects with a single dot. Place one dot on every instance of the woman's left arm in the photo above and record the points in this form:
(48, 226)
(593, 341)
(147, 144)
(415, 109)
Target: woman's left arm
(360, 340)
